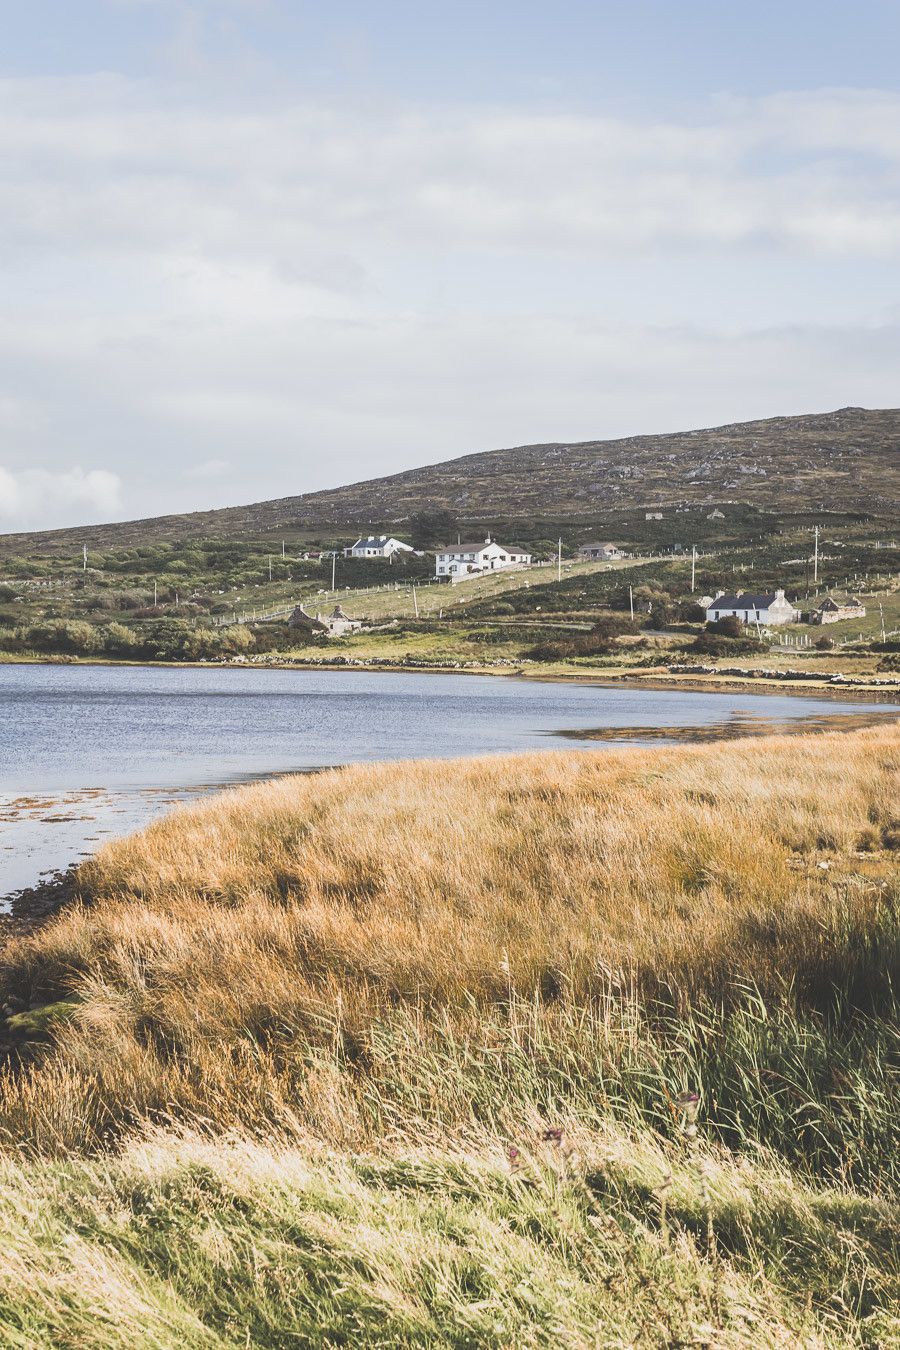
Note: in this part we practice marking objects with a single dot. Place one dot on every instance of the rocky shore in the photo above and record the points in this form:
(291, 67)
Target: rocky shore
(754, 673)
(27, 908)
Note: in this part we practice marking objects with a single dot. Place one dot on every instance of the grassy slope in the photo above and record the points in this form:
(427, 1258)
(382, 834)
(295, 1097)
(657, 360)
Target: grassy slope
(356, 991)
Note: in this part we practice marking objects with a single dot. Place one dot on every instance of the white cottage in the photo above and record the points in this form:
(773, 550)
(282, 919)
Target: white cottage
(377, 546)
(768, 608)
(455, 562)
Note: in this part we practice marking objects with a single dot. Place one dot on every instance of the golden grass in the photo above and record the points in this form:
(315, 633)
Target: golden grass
(235, 958)
(392, 1055)
(433, 878)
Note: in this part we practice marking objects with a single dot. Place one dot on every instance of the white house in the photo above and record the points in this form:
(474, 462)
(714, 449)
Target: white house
(770, 608)
(376, 546)
(605, 552)
(458, 561)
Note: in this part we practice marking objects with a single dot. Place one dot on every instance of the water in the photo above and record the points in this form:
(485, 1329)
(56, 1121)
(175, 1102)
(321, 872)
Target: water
(87, 752)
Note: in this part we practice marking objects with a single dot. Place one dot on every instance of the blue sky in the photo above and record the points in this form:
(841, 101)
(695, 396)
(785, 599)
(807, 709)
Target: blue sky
(251, 248)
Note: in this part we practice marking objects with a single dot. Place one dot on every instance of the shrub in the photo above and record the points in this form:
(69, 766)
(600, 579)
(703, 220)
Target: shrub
(118, 640)
(63, 635)
(574, 645)
(712, 644)
(729, 626)
(233, 641)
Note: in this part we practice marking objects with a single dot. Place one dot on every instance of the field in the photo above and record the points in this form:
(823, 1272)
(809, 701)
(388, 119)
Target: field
(214, 602)
(547, 1050)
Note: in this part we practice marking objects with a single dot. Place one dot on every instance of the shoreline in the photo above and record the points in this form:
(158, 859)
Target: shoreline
(27, 909)
(654, 678)
(23, 910)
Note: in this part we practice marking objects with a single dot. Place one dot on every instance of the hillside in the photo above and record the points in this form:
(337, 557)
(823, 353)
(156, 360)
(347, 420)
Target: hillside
(851, 456)
(849, 459)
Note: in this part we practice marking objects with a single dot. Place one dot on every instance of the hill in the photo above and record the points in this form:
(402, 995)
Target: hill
(846, 460)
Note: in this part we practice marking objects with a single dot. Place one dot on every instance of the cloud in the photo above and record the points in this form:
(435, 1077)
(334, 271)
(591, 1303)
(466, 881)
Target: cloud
(103, 164)
(34, 495)
(289, 294)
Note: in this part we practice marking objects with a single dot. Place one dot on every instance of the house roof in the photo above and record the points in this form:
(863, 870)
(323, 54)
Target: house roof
(374, 541)
(467, 548)
(476, 548)
(743, 601)
(300, 619)
(836, 602)
(591, 544)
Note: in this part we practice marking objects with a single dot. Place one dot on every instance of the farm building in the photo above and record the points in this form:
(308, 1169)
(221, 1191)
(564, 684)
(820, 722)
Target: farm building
(455, 562)
(377, 546)
(604, 552)
(335, 624)
(304, 622)
(338, 623)
(832, 610)
(769, 608)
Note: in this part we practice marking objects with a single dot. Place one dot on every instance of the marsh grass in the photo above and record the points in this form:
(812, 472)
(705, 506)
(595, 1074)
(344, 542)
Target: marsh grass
(335, 1002)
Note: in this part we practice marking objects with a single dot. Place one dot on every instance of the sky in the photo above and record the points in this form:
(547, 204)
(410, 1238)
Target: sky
(254, 248)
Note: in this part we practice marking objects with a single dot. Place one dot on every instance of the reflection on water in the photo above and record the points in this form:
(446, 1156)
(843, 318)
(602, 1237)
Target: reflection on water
(738, 725)
(88, 752)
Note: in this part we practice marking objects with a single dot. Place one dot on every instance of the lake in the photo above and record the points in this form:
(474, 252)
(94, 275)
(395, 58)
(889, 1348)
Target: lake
(87, 752)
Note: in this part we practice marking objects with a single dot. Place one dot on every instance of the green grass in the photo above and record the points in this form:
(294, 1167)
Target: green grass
(601, 1239)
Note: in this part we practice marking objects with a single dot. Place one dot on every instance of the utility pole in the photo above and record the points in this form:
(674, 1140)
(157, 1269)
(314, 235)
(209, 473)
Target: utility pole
(270, 567)
(333, 568)
(816, 555)
(881, 612)
(282, 550)
(154, 595)
(559, 561)
(84, 558)
(693, 566)
(415, 602)
(631, 602)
